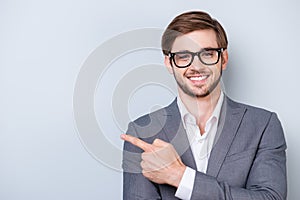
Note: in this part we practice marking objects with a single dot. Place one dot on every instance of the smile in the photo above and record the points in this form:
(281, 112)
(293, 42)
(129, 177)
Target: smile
(198, 78)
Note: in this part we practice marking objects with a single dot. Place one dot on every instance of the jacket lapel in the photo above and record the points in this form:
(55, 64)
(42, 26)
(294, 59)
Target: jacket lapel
(176, 134)
(230, 119)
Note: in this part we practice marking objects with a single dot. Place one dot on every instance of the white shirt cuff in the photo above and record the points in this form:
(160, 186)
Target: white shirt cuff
(186, 185)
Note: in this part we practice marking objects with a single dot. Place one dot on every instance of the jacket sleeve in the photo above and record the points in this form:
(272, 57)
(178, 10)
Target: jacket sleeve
(135, 185)
(267, 177)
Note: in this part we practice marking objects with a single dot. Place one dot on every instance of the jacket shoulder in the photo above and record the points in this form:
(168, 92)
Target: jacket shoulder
(146, 119)
(149, 126)
(250, 108)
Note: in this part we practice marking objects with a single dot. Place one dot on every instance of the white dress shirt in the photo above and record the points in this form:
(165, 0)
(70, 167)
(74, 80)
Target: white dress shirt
(201, 145)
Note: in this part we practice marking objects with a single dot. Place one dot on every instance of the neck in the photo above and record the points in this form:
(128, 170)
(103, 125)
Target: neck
(201, 107)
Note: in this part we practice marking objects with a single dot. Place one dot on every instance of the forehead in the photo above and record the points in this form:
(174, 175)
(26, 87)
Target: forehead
(196, 40)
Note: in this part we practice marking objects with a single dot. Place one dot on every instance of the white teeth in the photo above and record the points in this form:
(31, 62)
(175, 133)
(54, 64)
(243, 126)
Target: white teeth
(198, 78)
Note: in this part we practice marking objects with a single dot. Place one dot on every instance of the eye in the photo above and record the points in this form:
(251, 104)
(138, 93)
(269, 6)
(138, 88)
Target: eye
(208, 54)
(182, 56)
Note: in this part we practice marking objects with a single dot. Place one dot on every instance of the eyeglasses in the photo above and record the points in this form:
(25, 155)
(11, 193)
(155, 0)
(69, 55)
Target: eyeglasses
(207, 56)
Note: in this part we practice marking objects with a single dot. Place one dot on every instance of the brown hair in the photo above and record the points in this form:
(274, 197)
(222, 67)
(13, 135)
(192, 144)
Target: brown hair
(189, 22)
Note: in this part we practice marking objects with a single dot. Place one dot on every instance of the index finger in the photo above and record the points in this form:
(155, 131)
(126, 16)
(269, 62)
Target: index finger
(137, 142)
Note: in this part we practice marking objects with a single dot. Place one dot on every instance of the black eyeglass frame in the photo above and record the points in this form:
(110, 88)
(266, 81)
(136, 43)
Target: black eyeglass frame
(172, 54)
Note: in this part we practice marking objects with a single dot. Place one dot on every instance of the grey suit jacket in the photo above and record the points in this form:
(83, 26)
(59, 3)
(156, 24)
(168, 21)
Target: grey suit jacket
(248, 160)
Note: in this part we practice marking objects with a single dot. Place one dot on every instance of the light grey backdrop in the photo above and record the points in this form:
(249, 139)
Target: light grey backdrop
(44, 44)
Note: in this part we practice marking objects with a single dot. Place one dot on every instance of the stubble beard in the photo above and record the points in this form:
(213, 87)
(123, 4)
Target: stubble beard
(191, 93)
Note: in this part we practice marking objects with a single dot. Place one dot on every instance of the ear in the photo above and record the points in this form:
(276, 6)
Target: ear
(224, 59)
(168, 64)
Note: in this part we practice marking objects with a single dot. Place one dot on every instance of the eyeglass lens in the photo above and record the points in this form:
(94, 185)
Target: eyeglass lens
(207, 57)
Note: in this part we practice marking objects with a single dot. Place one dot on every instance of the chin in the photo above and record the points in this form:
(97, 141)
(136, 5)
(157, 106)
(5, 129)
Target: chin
(198, 94)
(202, 95)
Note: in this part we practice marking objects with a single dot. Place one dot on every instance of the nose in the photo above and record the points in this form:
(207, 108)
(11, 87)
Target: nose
(196, 64)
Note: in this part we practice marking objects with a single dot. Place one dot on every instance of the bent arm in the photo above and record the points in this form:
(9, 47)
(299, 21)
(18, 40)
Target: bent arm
(267, 177)
(135, 185)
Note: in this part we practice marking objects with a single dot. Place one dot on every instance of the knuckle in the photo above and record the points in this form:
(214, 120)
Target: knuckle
(156, 141)
(147, 174)
(143, 156)
(142, 164)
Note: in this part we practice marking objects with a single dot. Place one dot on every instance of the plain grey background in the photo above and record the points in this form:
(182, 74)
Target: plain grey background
(44, 43)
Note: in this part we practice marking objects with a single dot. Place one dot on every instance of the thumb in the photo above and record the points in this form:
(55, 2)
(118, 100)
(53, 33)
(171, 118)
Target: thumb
(160, 143)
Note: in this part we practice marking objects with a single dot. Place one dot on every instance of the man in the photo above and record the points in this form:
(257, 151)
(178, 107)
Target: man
(203, 145)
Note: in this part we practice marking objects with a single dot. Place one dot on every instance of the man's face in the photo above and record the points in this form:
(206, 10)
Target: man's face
(197, 80)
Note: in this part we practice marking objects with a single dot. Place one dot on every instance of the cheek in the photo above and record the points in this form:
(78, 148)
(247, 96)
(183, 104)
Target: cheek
(179, 71)
(216, 70)
(170, 69)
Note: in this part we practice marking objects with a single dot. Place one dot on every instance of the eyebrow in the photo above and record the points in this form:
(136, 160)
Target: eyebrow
(186, 51)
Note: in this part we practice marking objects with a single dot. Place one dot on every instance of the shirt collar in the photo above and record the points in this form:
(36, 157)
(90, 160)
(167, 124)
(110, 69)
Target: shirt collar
(185, 114)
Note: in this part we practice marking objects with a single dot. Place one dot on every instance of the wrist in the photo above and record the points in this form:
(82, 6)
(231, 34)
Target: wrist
(177, 175)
